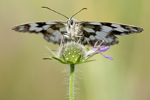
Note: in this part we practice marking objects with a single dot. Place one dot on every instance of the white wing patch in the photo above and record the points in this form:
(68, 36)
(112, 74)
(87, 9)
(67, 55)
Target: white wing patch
(92, 37)
(88, 30)
(45, 27)
(119, 28)
(95, 23)
(106, 29)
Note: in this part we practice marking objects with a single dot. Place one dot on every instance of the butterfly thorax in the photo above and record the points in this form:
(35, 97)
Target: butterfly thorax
(73, 29)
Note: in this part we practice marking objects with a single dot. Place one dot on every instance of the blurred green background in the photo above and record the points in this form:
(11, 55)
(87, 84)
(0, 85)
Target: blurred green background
(25, 76)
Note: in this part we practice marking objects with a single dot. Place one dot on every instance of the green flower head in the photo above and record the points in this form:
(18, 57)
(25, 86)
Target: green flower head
(75, 53)
(70, 53)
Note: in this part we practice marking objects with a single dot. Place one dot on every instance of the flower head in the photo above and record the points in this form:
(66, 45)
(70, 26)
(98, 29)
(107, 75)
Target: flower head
(99, 49)
(75, 53)
(70, 53)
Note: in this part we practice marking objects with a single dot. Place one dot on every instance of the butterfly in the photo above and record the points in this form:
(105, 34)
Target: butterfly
(87, 32)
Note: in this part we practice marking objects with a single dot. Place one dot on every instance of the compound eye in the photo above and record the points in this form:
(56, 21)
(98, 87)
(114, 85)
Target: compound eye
(71, 22)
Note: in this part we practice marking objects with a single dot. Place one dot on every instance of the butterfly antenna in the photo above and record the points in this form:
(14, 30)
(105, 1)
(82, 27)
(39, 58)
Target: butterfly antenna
(55, 11)
(79, 11)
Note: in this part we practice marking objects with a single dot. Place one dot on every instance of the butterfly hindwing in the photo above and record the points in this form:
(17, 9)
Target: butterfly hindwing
(52, 31)
(98, 31)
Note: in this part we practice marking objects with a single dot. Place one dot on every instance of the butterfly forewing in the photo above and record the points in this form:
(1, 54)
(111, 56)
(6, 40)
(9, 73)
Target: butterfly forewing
(52, 31)
(98, 31)
(91, 32)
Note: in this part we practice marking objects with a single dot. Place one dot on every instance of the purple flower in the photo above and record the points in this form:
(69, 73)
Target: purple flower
(99, 49)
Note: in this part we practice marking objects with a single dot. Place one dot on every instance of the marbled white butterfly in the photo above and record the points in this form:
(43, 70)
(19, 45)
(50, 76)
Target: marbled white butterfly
(72, 30)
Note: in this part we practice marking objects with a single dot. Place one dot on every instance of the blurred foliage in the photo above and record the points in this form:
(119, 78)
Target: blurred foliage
(25, 76)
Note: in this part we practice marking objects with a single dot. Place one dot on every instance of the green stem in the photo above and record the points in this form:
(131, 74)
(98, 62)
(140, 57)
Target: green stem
(71, 83)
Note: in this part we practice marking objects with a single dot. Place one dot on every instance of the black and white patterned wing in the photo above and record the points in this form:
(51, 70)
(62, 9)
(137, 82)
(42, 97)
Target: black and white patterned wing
(98, 31)
(52, 31)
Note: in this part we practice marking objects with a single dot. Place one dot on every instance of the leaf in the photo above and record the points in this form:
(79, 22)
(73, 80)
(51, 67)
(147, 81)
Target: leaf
(63, 57)
(90, 56)
(61, 61)
(78, 60)
(47, 58)
(86, 61)
(51, 51)
(70, 62)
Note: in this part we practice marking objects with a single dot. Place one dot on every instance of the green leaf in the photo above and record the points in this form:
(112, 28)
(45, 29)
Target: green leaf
(86, 61)
(51, 51)
(89, 56)
(87, 48)
(61, 61)
(63, 57)
(47, 58)
(78, 60)
(69, 62)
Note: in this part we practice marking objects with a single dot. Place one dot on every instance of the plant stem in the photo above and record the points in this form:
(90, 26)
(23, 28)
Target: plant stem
(71, 83)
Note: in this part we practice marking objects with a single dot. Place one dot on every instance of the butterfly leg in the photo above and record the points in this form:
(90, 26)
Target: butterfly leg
(78, 38)
(88, 42)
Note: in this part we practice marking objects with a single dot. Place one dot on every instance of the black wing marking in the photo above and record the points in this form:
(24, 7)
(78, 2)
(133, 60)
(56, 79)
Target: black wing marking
(98, 31)
(52, 31)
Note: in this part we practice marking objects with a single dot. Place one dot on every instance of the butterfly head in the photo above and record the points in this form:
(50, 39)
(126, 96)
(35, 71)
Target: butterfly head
(71, 22)
(73, 28)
